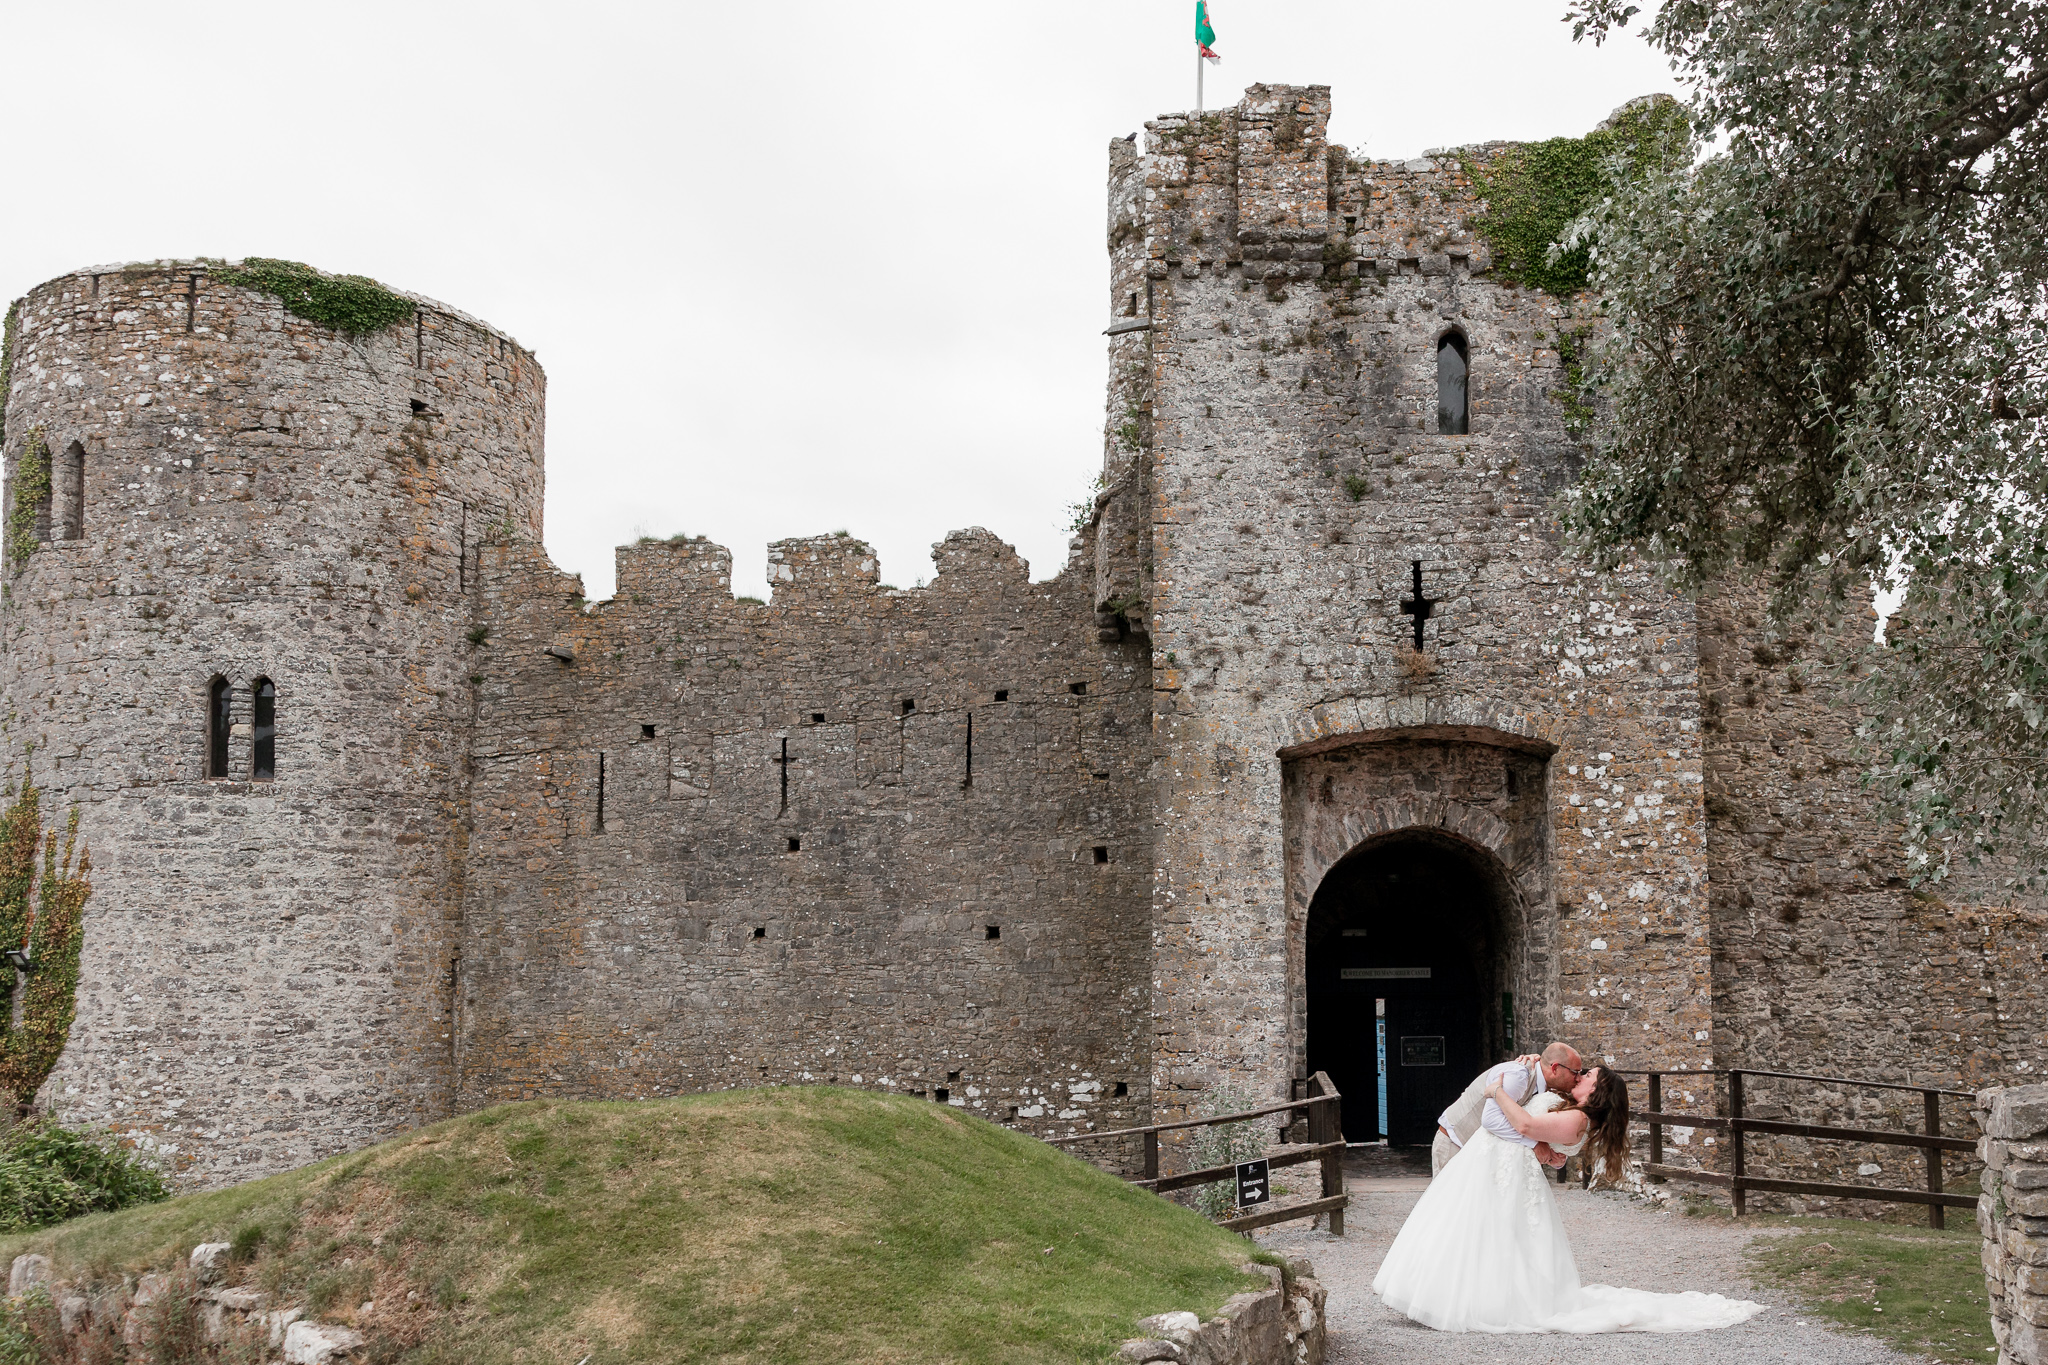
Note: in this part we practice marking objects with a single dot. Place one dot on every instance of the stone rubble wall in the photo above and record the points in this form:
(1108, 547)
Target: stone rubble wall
(265, 978)
(100, 1322)
(1825, 959)
(800, 874)
(2012, 1214)
(1280, 1325)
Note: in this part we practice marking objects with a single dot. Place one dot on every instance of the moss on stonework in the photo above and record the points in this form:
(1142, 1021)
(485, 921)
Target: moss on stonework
(1533, 191)
(31, 493)
(350, 304)
(42, 909)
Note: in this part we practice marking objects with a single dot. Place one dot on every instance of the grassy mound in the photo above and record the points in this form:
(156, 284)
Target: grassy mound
(765, 1225)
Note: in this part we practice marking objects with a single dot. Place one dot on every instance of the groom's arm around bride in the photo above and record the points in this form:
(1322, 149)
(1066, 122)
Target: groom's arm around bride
(1557, 1068)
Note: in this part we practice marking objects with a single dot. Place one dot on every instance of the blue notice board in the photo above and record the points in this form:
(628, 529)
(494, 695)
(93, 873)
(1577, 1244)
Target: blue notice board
(1380, 1028)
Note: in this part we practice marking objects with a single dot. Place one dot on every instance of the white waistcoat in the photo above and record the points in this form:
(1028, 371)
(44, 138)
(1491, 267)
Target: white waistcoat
(1462, 1118)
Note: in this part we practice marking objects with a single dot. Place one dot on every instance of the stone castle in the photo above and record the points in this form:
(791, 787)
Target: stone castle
(1319, 744)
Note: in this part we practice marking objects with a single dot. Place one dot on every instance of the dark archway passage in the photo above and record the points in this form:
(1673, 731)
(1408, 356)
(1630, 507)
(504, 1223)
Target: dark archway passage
(1409, 930)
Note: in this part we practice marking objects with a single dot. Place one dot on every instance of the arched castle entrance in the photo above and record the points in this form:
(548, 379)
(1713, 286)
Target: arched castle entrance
(1421, 915)
(1410, 978)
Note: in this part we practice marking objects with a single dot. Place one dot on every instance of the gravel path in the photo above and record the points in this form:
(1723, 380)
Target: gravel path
(1617, 1240)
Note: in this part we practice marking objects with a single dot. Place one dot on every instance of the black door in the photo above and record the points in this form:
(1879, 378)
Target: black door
(1432, 1052)
(1405, 927)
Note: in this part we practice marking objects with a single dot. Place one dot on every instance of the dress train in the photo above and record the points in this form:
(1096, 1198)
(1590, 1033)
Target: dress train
(1484, 1250)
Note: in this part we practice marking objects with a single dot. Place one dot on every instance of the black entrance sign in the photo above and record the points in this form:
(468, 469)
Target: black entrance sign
(1253, 1183)
(1426, 1050)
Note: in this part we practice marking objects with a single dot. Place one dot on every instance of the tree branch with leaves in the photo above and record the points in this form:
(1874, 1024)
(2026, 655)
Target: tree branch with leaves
(1827, 362)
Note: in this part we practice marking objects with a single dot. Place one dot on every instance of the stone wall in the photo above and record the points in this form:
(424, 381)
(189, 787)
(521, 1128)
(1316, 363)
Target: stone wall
(265, 972)
(1825, 959)
(1280, 1325)
(896, 838)
(2012, 1213)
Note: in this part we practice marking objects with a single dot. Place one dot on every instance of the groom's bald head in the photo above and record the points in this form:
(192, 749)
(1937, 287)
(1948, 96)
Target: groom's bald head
(1562, 1066)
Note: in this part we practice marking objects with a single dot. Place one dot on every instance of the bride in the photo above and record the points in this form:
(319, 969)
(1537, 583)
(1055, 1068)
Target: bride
(1484, 1249)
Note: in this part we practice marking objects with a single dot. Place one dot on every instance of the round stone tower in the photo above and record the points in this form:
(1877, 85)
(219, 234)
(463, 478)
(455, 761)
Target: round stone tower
(236, 639)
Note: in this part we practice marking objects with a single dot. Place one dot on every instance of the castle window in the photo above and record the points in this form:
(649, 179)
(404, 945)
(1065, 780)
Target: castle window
(263, 753)
(1452, 410)
(68, 490)
(217, 698)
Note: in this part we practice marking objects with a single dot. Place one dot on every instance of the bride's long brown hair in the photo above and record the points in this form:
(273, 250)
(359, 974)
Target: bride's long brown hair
(1606, 1111)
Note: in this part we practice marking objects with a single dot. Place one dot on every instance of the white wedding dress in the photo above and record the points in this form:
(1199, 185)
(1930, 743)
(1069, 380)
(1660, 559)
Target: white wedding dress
(1484, 1251)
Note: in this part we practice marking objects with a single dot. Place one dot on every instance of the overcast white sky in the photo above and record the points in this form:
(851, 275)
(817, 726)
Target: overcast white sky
(790, 268)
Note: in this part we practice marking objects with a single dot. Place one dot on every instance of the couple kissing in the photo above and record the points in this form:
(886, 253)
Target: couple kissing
(1484, 1249)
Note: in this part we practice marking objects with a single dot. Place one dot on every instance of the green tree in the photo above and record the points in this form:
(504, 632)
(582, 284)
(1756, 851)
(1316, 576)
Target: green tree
(1827, 361)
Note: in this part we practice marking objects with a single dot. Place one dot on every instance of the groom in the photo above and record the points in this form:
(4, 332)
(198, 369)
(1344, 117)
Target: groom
(1557, 1068)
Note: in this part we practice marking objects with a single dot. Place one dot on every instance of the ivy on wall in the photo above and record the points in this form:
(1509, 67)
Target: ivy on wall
(30, 492)
(12, 325)
(1533, 191)
(47, 913)
(350, 304)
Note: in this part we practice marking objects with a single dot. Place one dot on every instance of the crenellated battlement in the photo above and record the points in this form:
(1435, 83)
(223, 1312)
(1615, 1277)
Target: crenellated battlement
(756, 802)
(680, 569)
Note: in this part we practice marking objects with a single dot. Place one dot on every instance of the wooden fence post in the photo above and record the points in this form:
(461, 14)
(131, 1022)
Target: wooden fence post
(1326, 1124)
(1151, 1156)
(1735, 1135)
(1656, 1128)
(1936, 1215)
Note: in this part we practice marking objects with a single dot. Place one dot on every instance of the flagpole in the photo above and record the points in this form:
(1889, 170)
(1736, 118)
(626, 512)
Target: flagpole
(1198, 78)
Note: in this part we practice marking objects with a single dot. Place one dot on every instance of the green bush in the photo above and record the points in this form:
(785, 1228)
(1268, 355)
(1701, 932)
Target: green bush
(30, 1331)
(1225, 1145)
(50, 1173)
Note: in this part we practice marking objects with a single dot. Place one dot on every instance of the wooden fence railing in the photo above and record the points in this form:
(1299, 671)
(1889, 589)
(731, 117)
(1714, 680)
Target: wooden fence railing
(1738, 1181)
(1324, 1107)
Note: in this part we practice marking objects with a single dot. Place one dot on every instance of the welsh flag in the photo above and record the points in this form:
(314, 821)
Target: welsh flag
(1204, 35)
